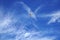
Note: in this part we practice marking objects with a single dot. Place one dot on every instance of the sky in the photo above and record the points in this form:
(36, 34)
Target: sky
(29, 19)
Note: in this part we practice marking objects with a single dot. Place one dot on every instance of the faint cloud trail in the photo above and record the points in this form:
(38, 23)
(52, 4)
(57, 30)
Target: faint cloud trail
(31, 14)
(8, 26)
(54, 17)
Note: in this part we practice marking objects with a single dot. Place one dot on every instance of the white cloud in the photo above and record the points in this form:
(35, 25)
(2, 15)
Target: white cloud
(42, 38)
(26, 34)
(7, 30)
(21, 33)
(38, 8)
(47, 38)
(33, 36)
(30, 12)
(5, 22)
(54, 17)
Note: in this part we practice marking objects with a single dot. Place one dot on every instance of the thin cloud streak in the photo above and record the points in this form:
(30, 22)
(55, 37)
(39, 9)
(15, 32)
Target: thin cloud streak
(30, 12)
(55, 17)
(21, 33)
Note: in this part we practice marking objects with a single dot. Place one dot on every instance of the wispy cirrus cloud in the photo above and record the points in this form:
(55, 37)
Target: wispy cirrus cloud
(31, 13)
(21, 33)
(34, 36)
(28, 9)
(8, 26)
(54, 17)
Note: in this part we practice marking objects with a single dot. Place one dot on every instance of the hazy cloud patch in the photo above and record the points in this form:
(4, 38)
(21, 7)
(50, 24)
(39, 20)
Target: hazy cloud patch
(12, 25)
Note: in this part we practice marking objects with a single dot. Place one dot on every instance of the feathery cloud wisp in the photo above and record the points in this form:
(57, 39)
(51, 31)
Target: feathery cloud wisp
(54, 17)
(30, 12)
(21, 33)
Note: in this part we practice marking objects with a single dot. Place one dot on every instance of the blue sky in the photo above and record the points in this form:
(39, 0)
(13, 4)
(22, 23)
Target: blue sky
(29, 19)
